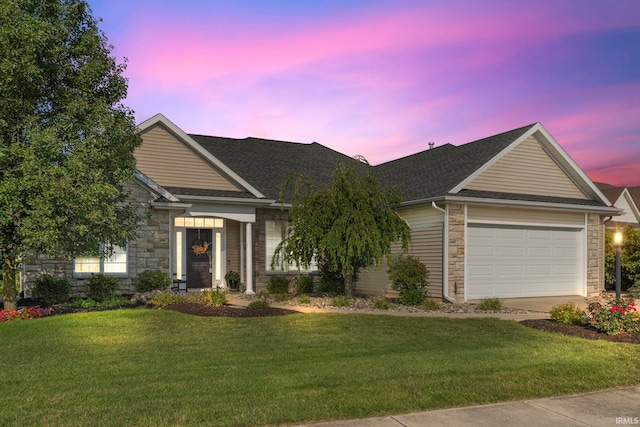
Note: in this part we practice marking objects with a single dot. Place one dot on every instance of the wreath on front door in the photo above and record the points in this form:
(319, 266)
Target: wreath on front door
(199, 247)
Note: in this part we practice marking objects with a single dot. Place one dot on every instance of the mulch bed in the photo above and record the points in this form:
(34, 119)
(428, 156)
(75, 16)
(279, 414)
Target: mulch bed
(579, 331)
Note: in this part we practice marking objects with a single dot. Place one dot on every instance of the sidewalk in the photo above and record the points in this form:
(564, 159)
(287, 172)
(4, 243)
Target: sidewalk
(604, 408)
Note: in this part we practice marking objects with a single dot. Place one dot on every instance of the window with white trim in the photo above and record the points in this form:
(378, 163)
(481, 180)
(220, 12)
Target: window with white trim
(116, 264)
(275, 232)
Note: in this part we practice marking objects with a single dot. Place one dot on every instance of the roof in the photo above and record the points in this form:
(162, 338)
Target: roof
(266, 163)
(434, 172)
(610, 191)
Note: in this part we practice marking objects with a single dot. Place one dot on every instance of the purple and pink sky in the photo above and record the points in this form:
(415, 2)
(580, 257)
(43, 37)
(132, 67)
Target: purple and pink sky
(383, 78)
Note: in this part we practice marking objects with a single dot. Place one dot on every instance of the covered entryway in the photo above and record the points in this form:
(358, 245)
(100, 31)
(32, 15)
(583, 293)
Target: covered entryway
(522, 261)
(200, 258)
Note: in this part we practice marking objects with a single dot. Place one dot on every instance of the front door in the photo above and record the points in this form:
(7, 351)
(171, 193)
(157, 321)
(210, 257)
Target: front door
(199, 258)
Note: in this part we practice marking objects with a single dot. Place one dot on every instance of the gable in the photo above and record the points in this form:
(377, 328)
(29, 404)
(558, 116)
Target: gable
(171, 163)
(526, 169)
(626, 203)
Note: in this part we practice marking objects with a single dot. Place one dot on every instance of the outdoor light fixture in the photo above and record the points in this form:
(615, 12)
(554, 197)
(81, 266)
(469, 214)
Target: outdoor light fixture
(617, 242)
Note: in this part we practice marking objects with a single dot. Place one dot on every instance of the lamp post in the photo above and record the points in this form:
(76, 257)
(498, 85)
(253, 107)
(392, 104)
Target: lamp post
(617, 242)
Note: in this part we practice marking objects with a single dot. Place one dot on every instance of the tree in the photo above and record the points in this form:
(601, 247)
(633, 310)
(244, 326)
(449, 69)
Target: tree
(629, 258)
(344, 226)
(66, 140)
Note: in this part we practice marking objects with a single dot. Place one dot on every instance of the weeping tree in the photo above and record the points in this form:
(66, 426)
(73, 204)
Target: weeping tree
(343, 226)
(66, 140)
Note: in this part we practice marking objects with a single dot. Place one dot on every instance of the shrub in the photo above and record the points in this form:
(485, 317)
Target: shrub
(634, 291)
(102, 287)
(614, 316)
(331, 282)
(50, 290)
(214, 297)
(408, 276)
(490, 304)
(568, 313)
(304, 299)
(163, 299)
(259, 304)
(151, 280)
(304, 285)
(432, 305)
(340, 301)
(281, 297)
(278, 285)
(412, 297)
(381, 303)
(263, 295)
(84, 303)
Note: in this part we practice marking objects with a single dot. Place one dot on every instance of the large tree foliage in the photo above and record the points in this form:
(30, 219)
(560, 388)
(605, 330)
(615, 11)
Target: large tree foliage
(344, 226)
(629, 258)
(66, 141)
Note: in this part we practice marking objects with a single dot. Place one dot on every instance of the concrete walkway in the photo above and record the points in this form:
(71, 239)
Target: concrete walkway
(605, 408)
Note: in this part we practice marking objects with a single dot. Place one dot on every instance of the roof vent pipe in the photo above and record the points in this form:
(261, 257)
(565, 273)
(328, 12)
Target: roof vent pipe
(431, 144)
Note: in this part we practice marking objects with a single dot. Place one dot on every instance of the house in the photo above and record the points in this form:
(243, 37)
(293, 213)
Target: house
(625, 198)
(511, 215)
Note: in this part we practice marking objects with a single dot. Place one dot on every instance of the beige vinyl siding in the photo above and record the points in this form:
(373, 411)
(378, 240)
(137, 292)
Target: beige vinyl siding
(524, 216)
(171, 163)
(427, 225)
(625, 205)
(527, 169)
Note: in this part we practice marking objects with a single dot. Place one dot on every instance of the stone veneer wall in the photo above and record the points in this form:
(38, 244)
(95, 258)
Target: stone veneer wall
(455, 263)
(595, 254)
(149, 251)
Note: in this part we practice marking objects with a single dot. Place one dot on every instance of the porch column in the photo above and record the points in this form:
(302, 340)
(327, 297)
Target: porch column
(249, 258)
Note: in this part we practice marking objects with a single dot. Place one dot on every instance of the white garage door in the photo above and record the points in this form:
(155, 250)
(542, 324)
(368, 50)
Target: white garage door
(513, 262)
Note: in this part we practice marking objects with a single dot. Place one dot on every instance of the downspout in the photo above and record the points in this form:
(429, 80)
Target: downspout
(445, 238)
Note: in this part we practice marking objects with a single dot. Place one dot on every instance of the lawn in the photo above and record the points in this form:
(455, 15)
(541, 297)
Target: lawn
(152, 367)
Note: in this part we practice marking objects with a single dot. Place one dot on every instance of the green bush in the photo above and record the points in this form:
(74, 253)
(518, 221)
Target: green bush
(304, 285)
(381, 303)
(163, 299)
(331, 282)
(634, 291)
(84, 303)
(304, 299)
(408, 276)
(568, 313)
(490, 304)
(50, 290)
(281, 297)
(102, 287)
(614, 316)
(412, 297)
(215, 297)
(629, 258)
(151, 280)
(259, 304)
(432, 305)
(340, 301)
(263, 295)
(278, 285)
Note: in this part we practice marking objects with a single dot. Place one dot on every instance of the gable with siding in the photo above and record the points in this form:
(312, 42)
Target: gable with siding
(626, 203)
(171, 163)
(527, 169)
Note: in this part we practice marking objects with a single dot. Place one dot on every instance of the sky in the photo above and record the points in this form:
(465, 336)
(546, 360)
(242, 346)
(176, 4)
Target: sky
(382, 79)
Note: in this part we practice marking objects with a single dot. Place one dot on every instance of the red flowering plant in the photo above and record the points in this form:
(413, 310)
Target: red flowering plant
(27, 313)
(614, 316)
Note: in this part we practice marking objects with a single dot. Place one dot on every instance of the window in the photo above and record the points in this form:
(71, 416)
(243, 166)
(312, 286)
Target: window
(275, 233)
(116, 264)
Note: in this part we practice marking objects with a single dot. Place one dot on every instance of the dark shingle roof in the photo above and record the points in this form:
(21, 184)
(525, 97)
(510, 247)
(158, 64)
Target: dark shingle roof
(209, 193)
(611, 192)
(434, 172)
(265, 163)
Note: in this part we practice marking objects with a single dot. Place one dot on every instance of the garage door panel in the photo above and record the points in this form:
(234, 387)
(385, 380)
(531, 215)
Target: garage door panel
(511, 262)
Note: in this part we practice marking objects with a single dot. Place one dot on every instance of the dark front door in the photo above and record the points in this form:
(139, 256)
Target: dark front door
(199, 258)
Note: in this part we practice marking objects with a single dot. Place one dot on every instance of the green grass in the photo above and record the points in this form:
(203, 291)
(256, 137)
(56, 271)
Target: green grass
(155, 367)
